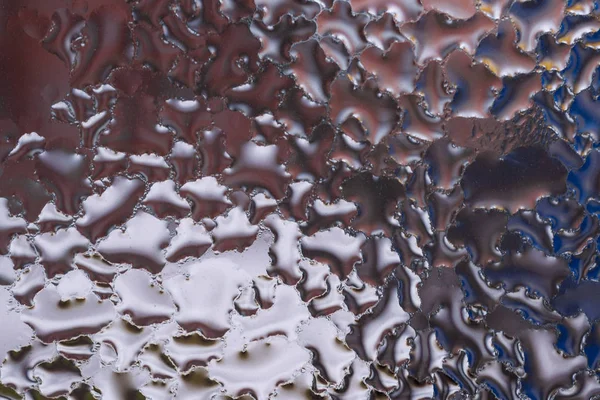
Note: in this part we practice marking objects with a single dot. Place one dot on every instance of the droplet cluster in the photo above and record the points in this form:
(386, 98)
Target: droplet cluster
(299, 199)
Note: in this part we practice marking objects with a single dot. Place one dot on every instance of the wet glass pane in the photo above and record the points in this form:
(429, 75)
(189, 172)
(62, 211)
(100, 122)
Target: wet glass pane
(299, 199)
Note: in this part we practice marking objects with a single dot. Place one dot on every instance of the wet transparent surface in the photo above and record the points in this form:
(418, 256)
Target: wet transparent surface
(299, 199)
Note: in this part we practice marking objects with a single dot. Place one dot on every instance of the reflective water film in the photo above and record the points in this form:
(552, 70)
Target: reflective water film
(299, 199)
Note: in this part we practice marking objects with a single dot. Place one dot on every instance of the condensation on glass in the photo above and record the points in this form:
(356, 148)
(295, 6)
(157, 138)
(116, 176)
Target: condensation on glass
(299, 199)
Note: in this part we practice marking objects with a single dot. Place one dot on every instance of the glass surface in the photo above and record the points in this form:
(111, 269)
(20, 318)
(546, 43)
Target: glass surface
(299, 199)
